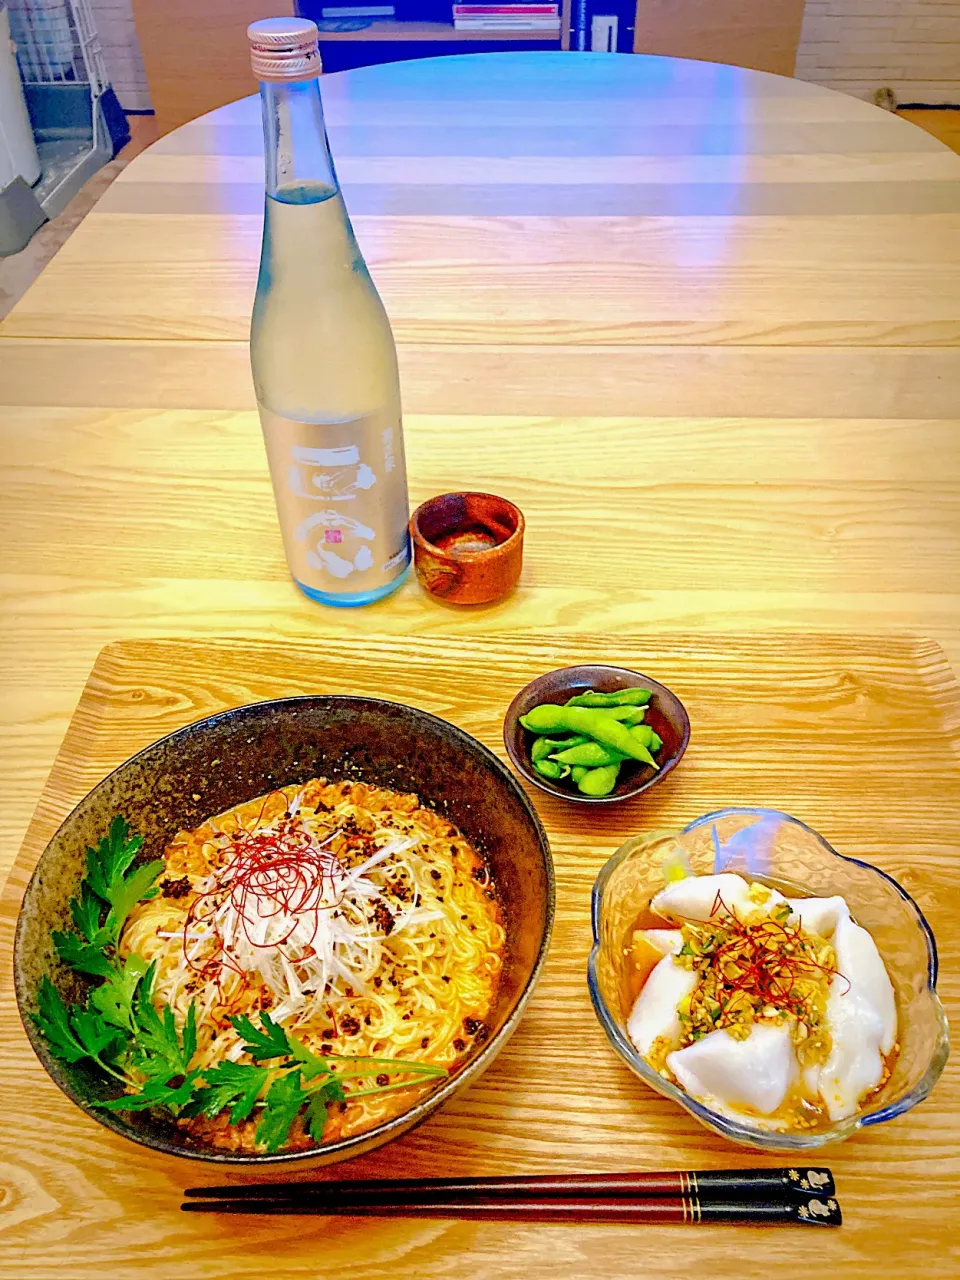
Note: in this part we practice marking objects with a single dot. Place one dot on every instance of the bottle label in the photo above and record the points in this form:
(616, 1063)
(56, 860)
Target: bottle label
(341, 492)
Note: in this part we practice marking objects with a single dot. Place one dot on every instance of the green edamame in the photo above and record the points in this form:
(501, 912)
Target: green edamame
(643, 733)
(550, 769)
(591, 754)
(595, 724)
(578, 771)
(544, 747)
(619, 698)
(599, 782)
(626, 715)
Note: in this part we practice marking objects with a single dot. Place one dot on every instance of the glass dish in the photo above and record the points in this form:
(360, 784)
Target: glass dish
(766, 844)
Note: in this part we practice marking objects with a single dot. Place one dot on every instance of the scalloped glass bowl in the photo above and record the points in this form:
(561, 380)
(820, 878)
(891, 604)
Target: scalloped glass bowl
(773, 846)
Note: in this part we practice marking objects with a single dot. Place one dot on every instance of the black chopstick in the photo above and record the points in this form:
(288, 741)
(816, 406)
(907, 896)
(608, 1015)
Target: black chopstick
(681, 1209)
(771, 1196)
(723, 1184)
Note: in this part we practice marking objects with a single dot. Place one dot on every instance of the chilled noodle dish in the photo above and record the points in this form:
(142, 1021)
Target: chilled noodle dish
(298, 969)
(775, 1011)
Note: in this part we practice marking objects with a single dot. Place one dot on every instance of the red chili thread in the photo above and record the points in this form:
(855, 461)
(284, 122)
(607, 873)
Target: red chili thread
(762, 976)
(271, 874)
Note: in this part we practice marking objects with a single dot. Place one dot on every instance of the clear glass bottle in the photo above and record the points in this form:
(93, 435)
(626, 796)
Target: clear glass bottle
(323, 356)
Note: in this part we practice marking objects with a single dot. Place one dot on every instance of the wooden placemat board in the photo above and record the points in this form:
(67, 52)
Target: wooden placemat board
(858, 737)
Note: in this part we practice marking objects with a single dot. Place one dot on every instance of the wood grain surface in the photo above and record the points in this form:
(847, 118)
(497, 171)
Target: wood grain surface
(856, 736)
(700, 323)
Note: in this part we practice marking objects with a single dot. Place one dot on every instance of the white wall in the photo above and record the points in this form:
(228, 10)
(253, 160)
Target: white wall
(859, 46)
(121, 53)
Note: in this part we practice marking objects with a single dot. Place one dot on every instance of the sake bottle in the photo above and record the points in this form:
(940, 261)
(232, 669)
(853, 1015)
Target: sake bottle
(323, 356)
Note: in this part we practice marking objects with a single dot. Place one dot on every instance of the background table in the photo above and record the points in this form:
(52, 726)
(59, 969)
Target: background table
(700, 323)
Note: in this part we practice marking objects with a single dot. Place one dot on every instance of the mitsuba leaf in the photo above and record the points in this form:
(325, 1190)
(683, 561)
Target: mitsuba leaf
(231, 1084)
(311, 1064)
(156, 1093)
(53, 1020)
(157, 1048)
(113, 1000)
(95, 1033)
(190, 1034)
(115, 852)
(86, 957)
(85, 911)
(317, 1108)
(107, 866)
(138, 886)
(270, 1042)
(73, 1034)
(282, 1105)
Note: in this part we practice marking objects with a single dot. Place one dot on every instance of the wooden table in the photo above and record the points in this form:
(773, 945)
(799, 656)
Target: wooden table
(700, 323)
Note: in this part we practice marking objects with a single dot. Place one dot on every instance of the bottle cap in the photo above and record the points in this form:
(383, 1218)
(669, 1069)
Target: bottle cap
(284, 49)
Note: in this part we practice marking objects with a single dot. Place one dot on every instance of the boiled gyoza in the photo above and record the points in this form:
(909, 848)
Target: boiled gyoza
(777, 1010)
(654, 1015)
(755, 1072)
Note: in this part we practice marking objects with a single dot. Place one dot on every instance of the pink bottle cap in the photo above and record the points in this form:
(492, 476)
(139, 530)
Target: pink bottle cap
(284, 49)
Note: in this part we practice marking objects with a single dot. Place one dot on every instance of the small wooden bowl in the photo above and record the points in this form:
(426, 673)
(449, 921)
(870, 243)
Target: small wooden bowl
(666, 715)
(467, 547)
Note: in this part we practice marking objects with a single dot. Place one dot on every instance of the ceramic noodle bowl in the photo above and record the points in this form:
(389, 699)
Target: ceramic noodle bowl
(214, 764)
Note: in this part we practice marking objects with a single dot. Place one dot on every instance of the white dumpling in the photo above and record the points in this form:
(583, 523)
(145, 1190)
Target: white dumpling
(862, 1019)
(818, 915)
(694, 897)
(654, 1015)
(756, 1072)
(667, 941)
(854, 1066)
(859, 961)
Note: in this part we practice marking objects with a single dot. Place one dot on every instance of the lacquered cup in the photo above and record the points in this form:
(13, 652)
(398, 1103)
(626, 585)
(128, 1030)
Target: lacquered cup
(773, 846)
(467, 547)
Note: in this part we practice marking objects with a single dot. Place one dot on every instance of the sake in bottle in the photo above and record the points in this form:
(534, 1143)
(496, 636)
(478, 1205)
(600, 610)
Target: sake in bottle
(323, 356)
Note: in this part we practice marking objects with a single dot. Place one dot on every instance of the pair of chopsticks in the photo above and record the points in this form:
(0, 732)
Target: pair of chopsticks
(759, 1196)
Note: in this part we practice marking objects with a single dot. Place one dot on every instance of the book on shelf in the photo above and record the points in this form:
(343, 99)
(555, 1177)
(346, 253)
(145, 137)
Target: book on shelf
(506, 11)
(545, 29)
(507, 17)
(548, 28)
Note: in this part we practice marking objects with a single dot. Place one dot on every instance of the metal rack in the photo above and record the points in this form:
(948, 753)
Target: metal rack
(61, 65)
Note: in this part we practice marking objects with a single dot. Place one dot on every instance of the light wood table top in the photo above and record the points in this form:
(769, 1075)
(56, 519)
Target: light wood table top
(702, 324)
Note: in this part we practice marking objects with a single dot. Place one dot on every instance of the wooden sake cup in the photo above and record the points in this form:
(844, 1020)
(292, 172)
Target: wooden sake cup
(467, 547)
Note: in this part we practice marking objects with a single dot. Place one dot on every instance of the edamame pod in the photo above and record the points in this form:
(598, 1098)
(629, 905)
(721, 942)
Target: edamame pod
(550, 769)
(578, 771)
(595, 724)
(626, 715)
(619, 698)
(599, 782)
(542, 748)
(591, 754)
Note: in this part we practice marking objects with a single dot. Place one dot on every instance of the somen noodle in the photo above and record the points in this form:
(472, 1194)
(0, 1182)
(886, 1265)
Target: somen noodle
(362, 923)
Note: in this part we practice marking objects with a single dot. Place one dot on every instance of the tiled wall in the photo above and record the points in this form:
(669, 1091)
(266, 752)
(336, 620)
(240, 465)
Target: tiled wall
(859, 46)
(121, 53)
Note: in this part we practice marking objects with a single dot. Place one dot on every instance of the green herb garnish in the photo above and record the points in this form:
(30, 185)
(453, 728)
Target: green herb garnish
(123, 1032)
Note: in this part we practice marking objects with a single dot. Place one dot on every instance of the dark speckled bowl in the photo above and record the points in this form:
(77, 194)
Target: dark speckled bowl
(666, 714)
(216, 763)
